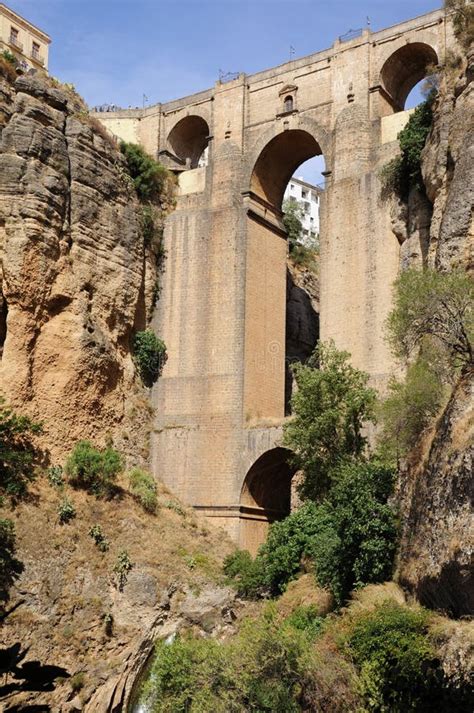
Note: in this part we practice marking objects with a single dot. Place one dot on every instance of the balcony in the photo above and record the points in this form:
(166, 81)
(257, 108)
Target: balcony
(15, 42)
(36, 57)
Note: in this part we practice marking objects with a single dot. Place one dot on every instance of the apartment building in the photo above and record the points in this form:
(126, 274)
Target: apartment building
(28, 43)
(309, 197)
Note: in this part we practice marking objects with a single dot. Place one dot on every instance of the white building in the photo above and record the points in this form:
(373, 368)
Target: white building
(27, 43)
(309, 197)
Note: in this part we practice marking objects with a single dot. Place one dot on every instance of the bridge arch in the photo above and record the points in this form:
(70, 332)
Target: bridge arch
(318, 139)
(188, 140)
(404, 68)
(265, 496)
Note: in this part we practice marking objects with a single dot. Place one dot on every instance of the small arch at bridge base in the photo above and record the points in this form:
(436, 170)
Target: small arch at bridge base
(265, 496)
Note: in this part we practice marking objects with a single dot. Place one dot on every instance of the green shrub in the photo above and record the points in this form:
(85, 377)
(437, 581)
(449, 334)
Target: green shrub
(122, 567)
(143, 487)
(55, 476)
(66, 511)
(150, 355)
(92, 469)
(350, 539)
(10, 567)
(398, 669)
(360, 546)
(306, 619)
(266, 668)
(99, 538)
(330, 407)
(17, 452)
(408, 409)
(148, 175)
(438, 305)
(244, 574)
(404, 172)
(292, 220)
(78, 681)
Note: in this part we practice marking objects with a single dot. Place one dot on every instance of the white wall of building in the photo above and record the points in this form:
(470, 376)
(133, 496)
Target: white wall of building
(308, 197)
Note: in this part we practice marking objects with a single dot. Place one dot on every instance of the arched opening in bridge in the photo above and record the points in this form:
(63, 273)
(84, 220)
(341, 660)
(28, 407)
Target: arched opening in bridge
(403, 73)
(291, 327)
(188, 142)
(265, 496)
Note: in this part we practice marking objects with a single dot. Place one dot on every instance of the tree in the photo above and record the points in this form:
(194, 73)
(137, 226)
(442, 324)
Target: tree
(409, 407)
(463, 20)
(17, 451)
(435, 305)
(330, 407)
(10, 567)
(292, 215)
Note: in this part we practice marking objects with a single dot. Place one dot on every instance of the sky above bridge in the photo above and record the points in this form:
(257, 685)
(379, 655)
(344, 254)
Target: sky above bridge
(136, 52)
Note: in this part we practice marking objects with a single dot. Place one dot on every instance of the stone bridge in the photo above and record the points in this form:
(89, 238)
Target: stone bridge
(220, 402)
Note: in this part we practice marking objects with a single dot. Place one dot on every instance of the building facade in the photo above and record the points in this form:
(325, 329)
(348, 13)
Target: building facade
(309, 198)
(28, 43)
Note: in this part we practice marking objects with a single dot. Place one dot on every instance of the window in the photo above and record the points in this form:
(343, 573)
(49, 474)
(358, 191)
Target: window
(304, 194)
(35, 52)
(14, 36)
(307, 207)
(288, 103)
(292, 186)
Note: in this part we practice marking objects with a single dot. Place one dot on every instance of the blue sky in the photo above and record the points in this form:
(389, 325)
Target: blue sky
(116, 51)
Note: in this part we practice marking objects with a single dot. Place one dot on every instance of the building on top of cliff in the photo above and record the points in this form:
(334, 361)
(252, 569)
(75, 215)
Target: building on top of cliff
(28, 43)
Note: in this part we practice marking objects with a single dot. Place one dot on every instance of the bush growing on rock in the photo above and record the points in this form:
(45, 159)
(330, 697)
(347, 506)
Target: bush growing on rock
(403, 172)
(66, 511)
(148, 175)
(267, 667)
(17, 452)
(92, 469)
(150, 355)
(434, 305)
(10, 567)
(397, 663)
(143, 487)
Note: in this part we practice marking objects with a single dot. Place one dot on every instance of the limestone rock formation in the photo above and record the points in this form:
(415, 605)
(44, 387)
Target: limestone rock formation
(302, 318)
(437, 547)
(437, 491)
(448, 174)
(73, 265)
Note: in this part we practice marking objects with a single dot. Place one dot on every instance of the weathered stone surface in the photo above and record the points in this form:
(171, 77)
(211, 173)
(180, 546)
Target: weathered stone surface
(448, 173)
(437, 490)
(73, 265)
(437, 495)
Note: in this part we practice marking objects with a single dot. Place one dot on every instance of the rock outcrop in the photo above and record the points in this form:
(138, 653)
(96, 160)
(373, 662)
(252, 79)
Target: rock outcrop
(437, 547)
(302, 318)
(437, 489)
(74, 266)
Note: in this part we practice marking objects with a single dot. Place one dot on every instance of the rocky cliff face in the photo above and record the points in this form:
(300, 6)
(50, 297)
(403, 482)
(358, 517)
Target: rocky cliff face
(437, 489)
(75, 273)
(302, 318)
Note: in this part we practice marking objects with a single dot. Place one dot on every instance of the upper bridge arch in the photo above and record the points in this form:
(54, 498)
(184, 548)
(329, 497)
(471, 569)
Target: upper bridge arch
(188, 138)
(404, 68)
(282, 151)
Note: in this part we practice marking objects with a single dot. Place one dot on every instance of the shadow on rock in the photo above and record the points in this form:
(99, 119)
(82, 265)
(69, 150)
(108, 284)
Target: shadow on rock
(27, 676)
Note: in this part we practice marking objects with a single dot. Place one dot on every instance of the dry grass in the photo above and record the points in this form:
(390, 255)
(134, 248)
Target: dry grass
(303, 592)
(7, 70)
(98, 129)
(71, 584)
